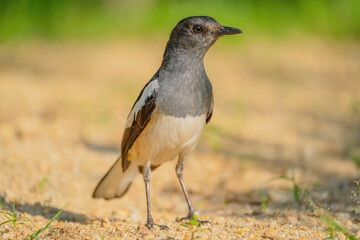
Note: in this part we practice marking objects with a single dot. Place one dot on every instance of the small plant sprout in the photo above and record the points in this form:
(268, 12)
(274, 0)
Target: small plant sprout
(192, 226)
(47, 226)
(41, 184)
(264, 199)
(191, 222)
(12, 218)
(296, 189)
(334, 228)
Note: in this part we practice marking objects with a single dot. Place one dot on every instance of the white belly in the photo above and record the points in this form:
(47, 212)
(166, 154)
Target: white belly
(165, 137)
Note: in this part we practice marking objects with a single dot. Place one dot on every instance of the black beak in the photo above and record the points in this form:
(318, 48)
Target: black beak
(228, 31)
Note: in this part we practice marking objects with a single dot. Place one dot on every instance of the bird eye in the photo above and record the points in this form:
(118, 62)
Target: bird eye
(197, 29)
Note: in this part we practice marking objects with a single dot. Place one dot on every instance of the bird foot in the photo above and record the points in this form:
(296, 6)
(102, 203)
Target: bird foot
(150, 224)
(192, 217)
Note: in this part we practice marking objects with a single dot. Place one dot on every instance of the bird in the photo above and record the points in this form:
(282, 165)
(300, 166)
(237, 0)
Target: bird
(170, 113)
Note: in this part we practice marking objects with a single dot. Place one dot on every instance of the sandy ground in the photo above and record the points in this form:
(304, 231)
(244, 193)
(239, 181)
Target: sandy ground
(281, 109)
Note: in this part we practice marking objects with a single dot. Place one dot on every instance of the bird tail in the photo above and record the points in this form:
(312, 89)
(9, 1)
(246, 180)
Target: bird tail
(116, 183)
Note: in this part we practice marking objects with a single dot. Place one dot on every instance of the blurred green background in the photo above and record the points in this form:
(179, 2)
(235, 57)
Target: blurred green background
(92, 19)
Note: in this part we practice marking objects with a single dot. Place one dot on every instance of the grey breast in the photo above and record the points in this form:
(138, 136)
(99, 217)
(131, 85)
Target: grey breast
(185, 90)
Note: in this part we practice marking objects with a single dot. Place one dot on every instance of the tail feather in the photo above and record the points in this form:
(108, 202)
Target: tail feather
(115, 183)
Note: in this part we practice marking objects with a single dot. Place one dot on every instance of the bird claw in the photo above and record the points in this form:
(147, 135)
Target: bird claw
(191, 217)
(204, 222)
(150, 225)
(185, 218)
(163, 227)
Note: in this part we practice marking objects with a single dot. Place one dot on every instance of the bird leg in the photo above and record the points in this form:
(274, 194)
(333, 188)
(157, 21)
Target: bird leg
(149, 220)
(179, 173)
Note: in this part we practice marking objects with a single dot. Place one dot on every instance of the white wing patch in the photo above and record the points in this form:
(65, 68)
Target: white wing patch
(147, 92)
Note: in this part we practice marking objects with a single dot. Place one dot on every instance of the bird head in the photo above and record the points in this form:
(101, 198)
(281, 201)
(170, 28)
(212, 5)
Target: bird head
(197, 34)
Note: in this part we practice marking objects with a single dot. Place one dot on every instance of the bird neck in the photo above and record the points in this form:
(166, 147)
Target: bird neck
(182, 60)
(185, 88)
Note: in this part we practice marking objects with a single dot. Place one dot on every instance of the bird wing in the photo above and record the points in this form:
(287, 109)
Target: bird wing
(210, 111)
(211, 104)
(139, 117)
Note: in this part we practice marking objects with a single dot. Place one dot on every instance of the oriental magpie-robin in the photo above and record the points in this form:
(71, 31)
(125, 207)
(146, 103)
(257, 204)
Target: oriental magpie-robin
(167, 118)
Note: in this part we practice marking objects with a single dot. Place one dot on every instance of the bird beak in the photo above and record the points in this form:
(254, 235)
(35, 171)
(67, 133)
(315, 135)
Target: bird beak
(228, 31)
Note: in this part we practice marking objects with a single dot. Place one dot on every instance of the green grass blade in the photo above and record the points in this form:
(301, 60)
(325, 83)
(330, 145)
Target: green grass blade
(34, 235)
(280, 178)
(9, 214)
(24, 219)
(336, 227)
(331, 237)
(55, 217)
(5, 222)
(297, 193)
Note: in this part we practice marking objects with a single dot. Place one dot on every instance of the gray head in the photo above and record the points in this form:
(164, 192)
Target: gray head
(197, 34)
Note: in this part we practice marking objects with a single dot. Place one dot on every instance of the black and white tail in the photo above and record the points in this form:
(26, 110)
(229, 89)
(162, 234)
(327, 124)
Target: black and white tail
(116, 182)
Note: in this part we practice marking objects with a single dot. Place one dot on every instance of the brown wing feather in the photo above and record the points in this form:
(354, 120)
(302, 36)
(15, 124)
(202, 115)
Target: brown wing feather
(210, 110)
(130, 135)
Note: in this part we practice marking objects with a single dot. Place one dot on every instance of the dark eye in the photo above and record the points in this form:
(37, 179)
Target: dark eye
(197, 29)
